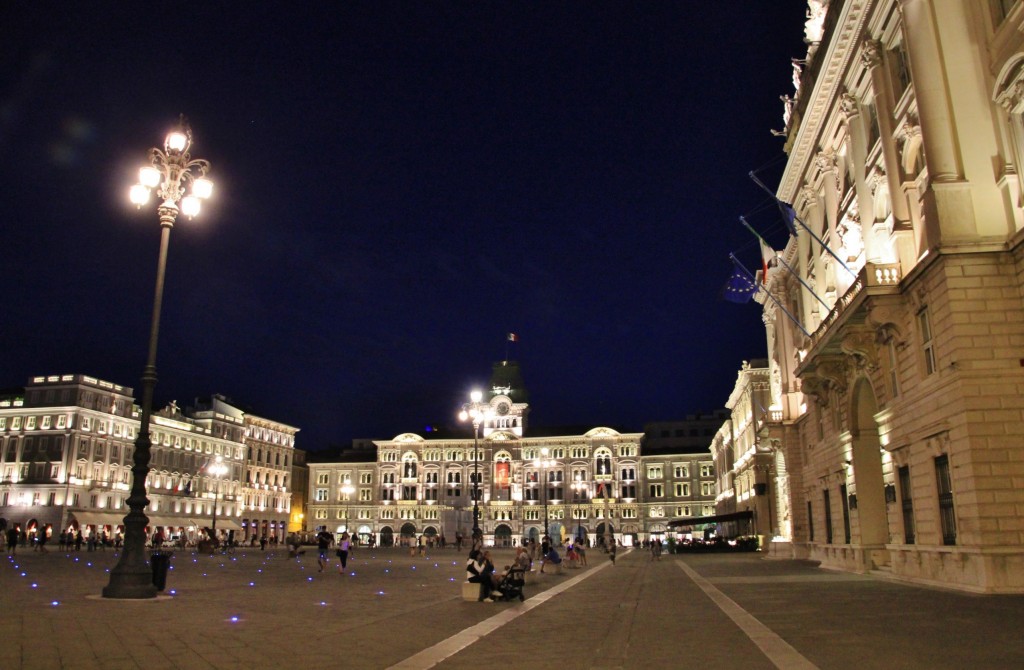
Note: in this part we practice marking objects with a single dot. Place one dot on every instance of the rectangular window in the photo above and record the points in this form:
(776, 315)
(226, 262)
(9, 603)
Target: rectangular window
(629, 490)
(364, 495)
(681, 472)
(907, 503)
(947, 514)
(430, 494)
(654, 472)
(322, 478)
(828, 518)
(530, 494)
(810, 521)
(707, 471)
(655, 490)
(682, 490)
(924, 324)
(707, 489)
(365, 477)
(846, 513)
(894, 380)
(321, 495)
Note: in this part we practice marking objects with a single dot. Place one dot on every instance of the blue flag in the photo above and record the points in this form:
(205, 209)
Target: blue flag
(789, 215)
(739, 288)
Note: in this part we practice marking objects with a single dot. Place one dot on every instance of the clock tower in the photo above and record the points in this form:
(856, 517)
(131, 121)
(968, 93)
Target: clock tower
(509, 407)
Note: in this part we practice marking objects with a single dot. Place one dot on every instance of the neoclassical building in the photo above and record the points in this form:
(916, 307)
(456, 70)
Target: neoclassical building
(66, 448)
(592, 484)
(896, 406)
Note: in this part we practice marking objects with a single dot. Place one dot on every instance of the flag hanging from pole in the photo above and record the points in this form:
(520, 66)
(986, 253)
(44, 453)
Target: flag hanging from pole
(767, 260)
(512, 337)
(739, 288)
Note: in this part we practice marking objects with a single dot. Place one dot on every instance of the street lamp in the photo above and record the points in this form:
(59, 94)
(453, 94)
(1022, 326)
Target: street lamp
(579, 488)
(347, 490)
(217, 469)
(543, 462)
(171, 169)
(476, 411)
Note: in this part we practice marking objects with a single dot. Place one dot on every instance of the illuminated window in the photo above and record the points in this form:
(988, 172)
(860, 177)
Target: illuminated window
(927, 345)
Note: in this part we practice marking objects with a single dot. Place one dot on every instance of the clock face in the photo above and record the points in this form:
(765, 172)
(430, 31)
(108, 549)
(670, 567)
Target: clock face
(503, 408)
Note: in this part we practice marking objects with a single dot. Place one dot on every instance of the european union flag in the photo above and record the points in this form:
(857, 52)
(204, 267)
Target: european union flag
(740, 288)
(789, 215)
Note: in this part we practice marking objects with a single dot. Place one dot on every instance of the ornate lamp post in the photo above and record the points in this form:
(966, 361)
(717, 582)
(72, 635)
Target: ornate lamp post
(543, 463)
(347, 490)
(171, 169)
(217, 469)
(476, 411)
(579, 488)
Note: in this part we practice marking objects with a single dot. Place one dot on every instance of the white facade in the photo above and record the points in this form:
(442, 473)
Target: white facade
(899, 420)
(66, 450)
(577, 483)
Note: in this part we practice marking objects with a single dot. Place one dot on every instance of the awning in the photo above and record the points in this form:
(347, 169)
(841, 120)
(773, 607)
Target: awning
(745, 515)
(173, 522)
(99, 518)
(226, 524)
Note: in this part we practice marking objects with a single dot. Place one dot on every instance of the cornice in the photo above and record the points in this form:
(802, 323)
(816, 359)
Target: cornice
(828, 87)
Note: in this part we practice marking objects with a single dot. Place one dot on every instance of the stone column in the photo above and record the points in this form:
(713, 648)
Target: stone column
(871, 56)
(850, 110)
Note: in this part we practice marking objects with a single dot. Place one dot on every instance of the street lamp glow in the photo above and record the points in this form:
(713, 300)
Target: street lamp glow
(176, 141)
(149, 176)
(217, 469)
(475, 411)
(169, 172)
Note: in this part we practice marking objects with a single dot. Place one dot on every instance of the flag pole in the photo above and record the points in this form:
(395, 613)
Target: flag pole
(769, 294)
(804, 225)
(785, 264)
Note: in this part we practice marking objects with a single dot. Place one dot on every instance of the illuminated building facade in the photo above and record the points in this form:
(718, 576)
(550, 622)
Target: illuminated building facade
(66, 445)
(589, 484)
(895, 401)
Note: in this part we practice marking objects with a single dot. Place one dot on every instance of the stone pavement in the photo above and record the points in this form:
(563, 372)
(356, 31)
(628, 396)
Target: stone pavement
(257, 610)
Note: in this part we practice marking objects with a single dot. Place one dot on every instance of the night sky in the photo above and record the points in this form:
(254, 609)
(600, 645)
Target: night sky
(398, 186)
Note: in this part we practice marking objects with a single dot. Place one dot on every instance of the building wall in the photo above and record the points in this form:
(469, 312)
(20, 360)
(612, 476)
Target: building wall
(577, 482)
(898, 418)
(66, 453)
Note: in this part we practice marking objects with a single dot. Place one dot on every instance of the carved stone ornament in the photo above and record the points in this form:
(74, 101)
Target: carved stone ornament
(871, 56)
(849, 106)
(908, 131)
(884, 320)
(809, 196)
(861, 347)
(827, 375)
(825, 161)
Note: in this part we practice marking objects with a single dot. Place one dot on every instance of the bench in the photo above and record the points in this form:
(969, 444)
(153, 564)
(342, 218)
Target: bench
(470, 591)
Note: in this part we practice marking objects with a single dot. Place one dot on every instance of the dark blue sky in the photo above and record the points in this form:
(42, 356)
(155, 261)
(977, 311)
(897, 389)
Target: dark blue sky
(398, 186)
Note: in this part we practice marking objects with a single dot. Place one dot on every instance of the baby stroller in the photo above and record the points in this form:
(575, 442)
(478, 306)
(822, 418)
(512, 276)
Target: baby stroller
(511, 584)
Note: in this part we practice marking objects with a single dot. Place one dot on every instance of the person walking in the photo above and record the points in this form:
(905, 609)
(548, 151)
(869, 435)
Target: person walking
(323, 542)
(611, 551)
(12, 539)
(343, 548)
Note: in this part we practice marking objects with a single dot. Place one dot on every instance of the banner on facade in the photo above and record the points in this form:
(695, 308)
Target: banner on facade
(501, 471)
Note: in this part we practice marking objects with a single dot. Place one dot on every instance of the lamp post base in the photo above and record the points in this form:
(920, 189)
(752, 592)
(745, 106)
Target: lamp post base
(132, 577)
(131, 584)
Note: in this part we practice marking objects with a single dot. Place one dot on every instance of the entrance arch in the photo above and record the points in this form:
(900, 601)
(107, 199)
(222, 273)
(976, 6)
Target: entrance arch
(387, 537)
(867, 465)
(503, 535)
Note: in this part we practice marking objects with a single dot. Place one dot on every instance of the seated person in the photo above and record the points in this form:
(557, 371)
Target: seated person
(550, 557)
(522, 559)
(480, 570)
(571, 556)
